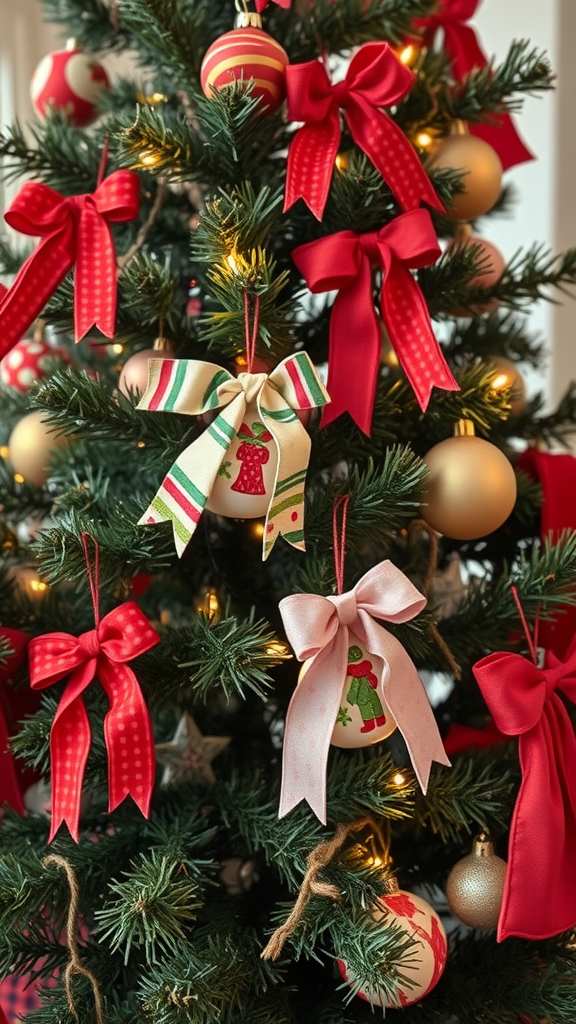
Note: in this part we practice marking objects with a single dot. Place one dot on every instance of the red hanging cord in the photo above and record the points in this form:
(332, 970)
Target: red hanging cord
(531, 640)
(251, 336)
(93, 576)
(102, 164)
(339, 538)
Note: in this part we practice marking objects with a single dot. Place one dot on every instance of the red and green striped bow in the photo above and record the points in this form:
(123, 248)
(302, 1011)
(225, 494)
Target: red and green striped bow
(194, 387)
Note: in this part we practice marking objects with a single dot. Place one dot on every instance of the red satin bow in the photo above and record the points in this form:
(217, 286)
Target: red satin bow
(74, 230)
(344, 261)
(120, 636)
(375, 78)
(462, 46)
(540, 891)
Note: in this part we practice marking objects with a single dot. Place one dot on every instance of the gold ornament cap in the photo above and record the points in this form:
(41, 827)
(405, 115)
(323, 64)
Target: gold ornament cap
(464, 428)
(248, 19)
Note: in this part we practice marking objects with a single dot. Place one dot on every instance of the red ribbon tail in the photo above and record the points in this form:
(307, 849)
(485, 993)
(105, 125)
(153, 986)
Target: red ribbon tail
(407, 320)
(69, 747)
(311, 164)
(35, 282)
(354, 353)
(9, 789)
(392, 155)
(95, 277)
(505, 139)
(129, 738)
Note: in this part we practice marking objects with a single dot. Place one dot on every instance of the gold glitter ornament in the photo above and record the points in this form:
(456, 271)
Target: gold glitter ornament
(475, 886)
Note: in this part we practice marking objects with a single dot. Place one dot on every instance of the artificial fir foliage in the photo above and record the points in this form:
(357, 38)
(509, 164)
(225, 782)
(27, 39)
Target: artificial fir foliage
(155, 929)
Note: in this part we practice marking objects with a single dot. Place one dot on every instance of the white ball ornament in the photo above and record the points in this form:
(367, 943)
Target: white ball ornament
(69, 81)
(245, 483)
(425, 960)
(364, 717)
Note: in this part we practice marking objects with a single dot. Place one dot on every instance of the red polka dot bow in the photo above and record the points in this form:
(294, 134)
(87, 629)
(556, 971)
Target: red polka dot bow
(120, 636)
(344, 261)
(74, 232)
(375, 78)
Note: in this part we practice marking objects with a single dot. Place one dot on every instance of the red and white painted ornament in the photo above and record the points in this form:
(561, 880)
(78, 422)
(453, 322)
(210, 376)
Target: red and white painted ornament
(364, 717)
(424, 961)
(30, 360)
(245, 483)
(69, 81)
(247, 54)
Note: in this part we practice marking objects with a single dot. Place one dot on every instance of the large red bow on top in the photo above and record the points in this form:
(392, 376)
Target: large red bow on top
(462, 46)
(120, 636)
(540, 891)
(375, 78)
(344, 261)
(74, 230)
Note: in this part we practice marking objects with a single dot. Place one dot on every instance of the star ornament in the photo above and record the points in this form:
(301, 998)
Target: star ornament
(189, 754)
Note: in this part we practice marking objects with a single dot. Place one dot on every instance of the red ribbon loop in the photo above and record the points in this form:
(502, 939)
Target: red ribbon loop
(375, 78)
(344, 262)
(122, 635)
(462, 46)
(74, 230)
(523, 702)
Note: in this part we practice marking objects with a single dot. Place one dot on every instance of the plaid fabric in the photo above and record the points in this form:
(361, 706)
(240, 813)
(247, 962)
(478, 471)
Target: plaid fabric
(18, 996)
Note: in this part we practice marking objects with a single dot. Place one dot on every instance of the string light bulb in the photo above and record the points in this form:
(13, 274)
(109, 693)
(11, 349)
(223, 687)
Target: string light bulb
(19, 478)
(148, 158)
(342, 161)
(408, 54)
(424, 140)
(4, 451)
(399, 779)
(277, 649)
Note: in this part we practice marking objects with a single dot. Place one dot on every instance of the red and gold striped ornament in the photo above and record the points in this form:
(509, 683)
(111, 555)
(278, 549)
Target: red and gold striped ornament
(247, 54)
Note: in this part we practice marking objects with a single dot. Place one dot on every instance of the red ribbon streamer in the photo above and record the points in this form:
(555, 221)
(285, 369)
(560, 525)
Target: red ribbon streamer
(375, 78)
(462, 46)
(344, 262)
(74, 231)
(120, 636)
(523, 701)
(10, 789)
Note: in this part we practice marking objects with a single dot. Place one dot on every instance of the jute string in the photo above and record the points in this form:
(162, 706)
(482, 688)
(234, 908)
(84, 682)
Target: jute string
(317, 859)
(419, 526)
(75, 965)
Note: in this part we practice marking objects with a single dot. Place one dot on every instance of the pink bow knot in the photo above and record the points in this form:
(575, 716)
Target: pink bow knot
(321, 629)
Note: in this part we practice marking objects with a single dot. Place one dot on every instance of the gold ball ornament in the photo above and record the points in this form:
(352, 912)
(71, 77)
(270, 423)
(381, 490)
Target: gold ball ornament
(507, 375)
(471, 486)
(481, 170)
(475, 886)
(31, 444)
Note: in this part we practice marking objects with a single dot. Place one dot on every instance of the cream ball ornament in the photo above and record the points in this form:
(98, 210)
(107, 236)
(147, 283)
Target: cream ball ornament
(425, 960)
(471, 486)
(475, 886)
(31, 444)
(481, 171)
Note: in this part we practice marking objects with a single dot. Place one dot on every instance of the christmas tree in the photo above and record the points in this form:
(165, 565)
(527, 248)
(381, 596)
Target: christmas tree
(263, 405)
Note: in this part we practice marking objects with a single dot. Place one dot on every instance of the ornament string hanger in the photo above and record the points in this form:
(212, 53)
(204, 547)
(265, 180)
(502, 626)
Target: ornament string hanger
(93, 574)
(532, 640)
(103, 163)
(339, 524)
(251, 334)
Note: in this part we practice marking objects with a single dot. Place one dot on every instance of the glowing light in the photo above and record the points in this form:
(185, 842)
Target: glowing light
(157, 97)
(38, 586)
(148, 158)
(117, 349)
(278, 650)
(141, 444)
(500, 381)
(259, 529)
(18, 478)
(232, 264)
(342, 161)
(4, 451)
(424, 140)
(408, 54)
(212, 603)
(399, 779)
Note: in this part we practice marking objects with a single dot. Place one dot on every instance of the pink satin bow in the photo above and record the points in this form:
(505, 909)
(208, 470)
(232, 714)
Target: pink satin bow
(540, 891)
(344, 261)
(375, 78)
(120, 636)
(74, 231)
(322, 629)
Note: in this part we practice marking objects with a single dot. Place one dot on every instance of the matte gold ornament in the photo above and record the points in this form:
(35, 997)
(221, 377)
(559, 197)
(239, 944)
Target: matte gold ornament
(31, 444)
(471, 486)
(507, 375)
(475, 886)
(481, 170)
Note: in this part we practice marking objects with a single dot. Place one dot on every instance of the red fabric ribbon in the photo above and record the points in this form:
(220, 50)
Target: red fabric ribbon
(74, 231)
(10, 785)
(462, 46)
(540, 891)
(261, 4)
(344, 262)
(120, 636)
(557, 475)
(375, 78)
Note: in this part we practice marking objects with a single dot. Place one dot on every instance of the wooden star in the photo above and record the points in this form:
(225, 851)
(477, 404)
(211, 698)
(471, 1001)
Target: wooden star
(189, 754)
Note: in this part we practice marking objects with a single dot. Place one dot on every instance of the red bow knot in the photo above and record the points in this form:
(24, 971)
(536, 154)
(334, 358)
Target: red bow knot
(120, 636)
(344, 262)
(75, 231)
(465, 53)
(523, 701)
(375, 78)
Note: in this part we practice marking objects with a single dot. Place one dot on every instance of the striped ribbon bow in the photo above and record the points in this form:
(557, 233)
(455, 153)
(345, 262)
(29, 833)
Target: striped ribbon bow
(194, 387)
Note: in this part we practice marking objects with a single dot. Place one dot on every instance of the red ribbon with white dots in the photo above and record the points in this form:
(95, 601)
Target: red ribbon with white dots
(75, 232)
(375, 78)
(123, 634)
(344, 262)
